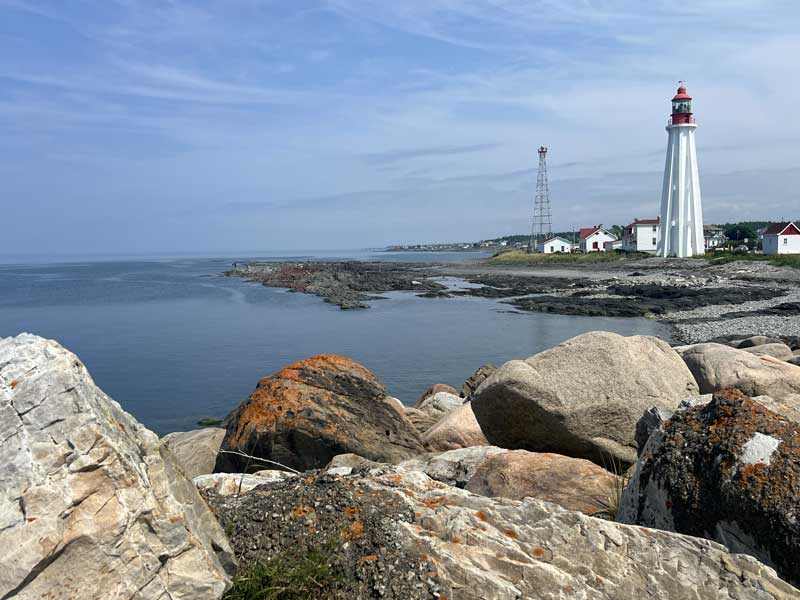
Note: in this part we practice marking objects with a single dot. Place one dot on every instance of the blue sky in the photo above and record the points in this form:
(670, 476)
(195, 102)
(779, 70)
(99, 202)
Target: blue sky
(176, 126)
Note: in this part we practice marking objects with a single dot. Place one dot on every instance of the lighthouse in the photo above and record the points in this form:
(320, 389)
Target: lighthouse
(681, 209)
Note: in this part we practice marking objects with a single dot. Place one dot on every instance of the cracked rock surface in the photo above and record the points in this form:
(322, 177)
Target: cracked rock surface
(92, 505)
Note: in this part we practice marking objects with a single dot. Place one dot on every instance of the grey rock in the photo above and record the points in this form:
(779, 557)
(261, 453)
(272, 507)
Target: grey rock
(195, 451)
(439, 404)
(755, 341)
(583, 397)
(434, 389)
(776, 350)
(92, 504)
(718, 367)
(455, 467)
(422, 421)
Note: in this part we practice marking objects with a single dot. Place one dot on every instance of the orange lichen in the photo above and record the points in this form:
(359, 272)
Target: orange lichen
(355, 531)
(13, 384)
(369, 558)
(511, 533)
(455, 539)
(538, 552)
(351, 511)
(298, 512)
(482, 515)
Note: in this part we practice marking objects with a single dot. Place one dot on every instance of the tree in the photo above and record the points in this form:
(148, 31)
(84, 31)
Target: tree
(740, 231)
(617, 230)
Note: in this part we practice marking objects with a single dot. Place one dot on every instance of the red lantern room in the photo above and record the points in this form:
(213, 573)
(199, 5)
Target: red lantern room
(682, 107)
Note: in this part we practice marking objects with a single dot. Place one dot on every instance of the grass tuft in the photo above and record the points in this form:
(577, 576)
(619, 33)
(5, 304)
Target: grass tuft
(288, 576)
(609, 507)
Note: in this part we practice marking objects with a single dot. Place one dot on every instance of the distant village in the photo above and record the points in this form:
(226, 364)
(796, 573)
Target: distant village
(639, 236)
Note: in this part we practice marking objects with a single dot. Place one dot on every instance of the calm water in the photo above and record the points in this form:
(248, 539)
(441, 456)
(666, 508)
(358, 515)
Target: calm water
(174, 342)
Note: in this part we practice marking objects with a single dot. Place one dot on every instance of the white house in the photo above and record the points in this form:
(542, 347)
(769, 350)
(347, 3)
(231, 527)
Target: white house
(593, 239)
(613, 245)
(642, 235)
(782, 238)
(714, 236)
(555, 244)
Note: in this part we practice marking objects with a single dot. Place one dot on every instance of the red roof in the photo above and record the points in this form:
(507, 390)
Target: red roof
(587, 231)
(682, 95)
(779, 229)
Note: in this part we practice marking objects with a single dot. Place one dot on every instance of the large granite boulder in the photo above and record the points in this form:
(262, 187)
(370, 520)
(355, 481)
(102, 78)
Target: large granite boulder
(777, 350)
(726, 470)
(434, 389)
(195, 451)
(92, 505)
(474, 381)
(395, 533)
(458, 429)
(307, 413)
(421, 421)
(718, 367)
(583, 397)
(572, 483)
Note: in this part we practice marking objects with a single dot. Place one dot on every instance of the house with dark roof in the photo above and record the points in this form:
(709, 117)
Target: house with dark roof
(782, 238)
(714, 236)
(642, 235)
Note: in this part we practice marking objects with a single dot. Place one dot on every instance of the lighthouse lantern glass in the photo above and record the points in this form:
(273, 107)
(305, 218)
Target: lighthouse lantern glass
(681, 106)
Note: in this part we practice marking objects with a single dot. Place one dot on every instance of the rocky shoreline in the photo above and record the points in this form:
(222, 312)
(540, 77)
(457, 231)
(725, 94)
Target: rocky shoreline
(698, 300)
(607, 467)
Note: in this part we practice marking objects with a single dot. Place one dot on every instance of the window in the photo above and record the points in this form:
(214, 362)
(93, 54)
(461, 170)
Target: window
(786, 240)
(654, 228)
(594, 245)
(654, 241)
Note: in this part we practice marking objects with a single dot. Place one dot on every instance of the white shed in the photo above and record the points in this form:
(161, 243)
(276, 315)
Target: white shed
(593, 239)
(555, 244)
(782, 238)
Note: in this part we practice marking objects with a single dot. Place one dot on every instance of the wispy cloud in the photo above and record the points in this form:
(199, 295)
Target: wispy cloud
(394, 156)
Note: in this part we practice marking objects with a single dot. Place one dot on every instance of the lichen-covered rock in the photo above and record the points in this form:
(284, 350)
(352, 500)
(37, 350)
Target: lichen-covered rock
(92, 504)
(434, 389)
(717, 367)
(312, 410)
(195, 451)
(421, 421)
(728, 470)
(458, 429)
(583, 397)
(572, 483)
(476, 379)
(397, 534)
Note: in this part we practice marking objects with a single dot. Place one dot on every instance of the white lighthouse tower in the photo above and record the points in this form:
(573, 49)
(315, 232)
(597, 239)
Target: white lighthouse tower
(681, 209)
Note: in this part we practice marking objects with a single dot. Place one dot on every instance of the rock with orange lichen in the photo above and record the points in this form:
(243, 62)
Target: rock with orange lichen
(312, 410)
(727, 470)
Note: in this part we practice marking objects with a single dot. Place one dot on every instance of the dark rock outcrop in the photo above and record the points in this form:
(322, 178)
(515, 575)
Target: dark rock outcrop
(476, 379)
(728, 470)
(312, 410)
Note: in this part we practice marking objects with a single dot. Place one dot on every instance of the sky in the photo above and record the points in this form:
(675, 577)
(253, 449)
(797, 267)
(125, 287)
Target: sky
(137, 126)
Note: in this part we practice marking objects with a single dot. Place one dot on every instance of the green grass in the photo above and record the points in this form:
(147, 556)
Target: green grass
(520, 257)
(609, 507)
(288, 576)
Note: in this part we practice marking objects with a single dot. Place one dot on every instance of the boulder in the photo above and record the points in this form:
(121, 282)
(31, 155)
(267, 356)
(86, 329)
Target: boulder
(755, 341)
(92, 504)
(717, 367)
(458, 429)
(232, 484)
(434, 389)
(726, 470)
(794, 361)
(787, 405)
(421, 421)
(778, 350)
(312, 410)
(195, 451)
(572, 483)
(454, 467)
(476, 379)
(396, 533)
(441, 403)
(583, 397)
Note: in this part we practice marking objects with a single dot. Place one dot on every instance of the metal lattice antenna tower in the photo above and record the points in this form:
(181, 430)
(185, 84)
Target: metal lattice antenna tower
(542, 227)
